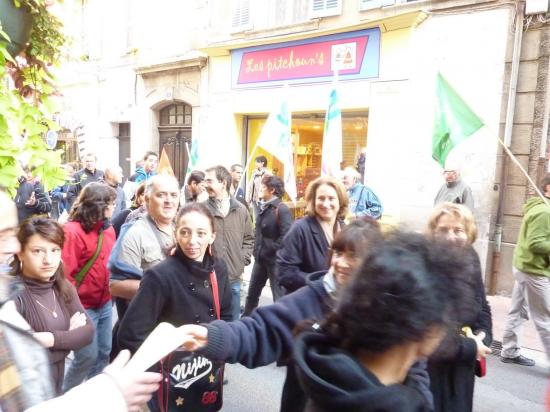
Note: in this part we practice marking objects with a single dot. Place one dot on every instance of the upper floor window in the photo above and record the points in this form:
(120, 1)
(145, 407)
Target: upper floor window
(240, 15)
(324, 8)
(176, 115)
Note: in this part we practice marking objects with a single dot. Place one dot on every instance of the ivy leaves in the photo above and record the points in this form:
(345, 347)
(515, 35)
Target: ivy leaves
(25, 107)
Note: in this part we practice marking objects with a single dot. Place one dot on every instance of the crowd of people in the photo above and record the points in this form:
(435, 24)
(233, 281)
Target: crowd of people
(364, 318)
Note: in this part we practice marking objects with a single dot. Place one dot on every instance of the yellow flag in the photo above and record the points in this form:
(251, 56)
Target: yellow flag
(164, 167)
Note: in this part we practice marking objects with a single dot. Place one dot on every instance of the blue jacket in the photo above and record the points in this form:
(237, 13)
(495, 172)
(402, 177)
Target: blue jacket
(363, 202)
(304, 250)
(141, 175)
(267, 336)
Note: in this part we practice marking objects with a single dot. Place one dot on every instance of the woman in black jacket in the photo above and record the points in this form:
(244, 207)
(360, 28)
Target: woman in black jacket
(452, 368)
(178, 289)
(394, 312)
(272, 223)
(306, 245)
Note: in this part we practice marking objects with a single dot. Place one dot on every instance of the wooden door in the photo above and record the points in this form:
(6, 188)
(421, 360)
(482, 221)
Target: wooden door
(173, 142)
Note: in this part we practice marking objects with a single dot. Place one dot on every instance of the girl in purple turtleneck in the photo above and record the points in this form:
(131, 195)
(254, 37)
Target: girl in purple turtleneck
(49, 302)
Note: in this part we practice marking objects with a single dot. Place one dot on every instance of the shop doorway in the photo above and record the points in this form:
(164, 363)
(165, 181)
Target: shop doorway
(307, 137)
(175, 133)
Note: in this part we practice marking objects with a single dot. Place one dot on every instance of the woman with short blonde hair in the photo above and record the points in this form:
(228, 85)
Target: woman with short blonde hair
(452, 370)
(459, 212)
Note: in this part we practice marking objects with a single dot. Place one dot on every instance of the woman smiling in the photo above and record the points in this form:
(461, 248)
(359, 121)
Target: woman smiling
(305, 247)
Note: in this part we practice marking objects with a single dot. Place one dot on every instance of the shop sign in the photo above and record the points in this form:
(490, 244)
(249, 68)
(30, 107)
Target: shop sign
(355, 55)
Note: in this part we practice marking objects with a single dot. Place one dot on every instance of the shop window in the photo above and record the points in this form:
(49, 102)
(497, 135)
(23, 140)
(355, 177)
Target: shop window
(176, 115)
(307, 139)
(325, 8)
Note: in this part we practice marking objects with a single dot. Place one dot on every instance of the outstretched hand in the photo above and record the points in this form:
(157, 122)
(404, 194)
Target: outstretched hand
(197, 337)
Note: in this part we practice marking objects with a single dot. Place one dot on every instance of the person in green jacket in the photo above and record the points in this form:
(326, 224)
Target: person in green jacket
(532, 278)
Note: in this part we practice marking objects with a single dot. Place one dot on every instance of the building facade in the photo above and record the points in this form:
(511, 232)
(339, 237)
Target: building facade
(154, 76)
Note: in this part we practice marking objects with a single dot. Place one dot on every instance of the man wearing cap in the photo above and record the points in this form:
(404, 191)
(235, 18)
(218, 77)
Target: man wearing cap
(455, 190)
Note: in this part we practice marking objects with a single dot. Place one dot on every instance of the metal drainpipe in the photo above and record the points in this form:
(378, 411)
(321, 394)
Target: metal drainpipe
(509, 123)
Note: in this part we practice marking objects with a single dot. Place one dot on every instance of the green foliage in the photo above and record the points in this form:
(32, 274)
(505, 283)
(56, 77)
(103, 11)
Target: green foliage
(25, 107)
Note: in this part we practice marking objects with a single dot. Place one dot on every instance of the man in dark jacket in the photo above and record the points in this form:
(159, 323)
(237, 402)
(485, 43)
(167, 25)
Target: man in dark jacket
(234, 235)
(84, 176)
(272, 223)
(31, 198)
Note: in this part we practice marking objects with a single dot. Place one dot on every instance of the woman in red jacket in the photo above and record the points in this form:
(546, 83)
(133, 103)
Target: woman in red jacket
(89, 239)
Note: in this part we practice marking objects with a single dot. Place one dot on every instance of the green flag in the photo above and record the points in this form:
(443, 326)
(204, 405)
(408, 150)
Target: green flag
(454, 121)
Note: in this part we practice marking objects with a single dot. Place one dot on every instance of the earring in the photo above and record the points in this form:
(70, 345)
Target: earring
(210, 249)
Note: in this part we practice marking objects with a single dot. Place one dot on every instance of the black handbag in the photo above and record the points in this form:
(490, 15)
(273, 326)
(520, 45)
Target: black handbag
(192, 382)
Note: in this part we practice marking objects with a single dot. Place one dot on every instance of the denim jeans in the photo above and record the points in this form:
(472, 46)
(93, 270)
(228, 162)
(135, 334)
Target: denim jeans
(92, 359)
(236, 299)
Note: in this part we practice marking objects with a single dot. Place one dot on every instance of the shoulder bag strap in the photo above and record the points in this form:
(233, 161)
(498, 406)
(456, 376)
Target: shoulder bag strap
(79, 277)
(215, 293)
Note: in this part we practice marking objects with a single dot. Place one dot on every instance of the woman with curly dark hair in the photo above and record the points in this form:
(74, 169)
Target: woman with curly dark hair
(49, 302)
(89, 239)
(395, 311)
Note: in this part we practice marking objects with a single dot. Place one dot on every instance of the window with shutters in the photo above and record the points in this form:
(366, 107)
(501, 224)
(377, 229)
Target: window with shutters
(240, 17)
(325, 8)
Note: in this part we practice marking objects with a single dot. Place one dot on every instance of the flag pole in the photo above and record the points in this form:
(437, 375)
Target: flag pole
(518, 164)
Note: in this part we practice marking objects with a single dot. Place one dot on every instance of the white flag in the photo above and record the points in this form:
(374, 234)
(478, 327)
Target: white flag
(332, 136)
(275, 138)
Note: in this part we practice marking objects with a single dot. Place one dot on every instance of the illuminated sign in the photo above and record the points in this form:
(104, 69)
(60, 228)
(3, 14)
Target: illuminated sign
(355, 55)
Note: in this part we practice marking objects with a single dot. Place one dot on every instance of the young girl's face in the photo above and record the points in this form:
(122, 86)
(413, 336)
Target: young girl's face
(40, 258)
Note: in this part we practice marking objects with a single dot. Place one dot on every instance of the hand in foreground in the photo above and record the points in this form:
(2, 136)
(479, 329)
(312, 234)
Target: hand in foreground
(135, 388)
(77, 321)
(197, 337)
(482, 350)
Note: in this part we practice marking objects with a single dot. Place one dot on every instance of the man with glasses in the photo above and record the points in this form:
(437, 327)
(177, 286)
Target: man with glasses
(455, 190)
(234, 235)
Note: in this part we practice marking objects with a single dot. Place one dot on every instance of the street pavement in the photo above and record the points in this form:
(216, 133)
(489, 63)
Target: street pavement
(508, 387)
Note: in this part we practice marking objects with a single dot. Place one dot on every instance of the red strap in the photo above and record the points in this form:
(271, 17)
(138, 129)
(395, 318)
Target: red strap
(215, 293)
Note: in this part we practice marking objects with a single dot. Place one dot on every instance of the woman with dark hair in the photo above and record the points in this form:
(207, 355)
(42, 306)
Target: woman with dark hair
(394, 312)
(267, 336)
(272, 223)
(49, 302)
(306, 245)
(178, 289)
(452, 372)
(89, 239)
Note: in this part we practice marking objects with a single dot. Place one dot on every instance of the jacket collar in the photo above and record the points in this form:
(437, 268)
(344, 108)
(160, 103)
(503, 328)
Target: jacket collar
(233, 204)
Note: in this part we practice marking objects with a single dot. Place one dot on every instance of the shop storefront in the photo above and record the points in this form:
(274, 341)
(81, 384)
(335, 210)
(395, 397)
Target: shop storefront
(309, 64)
